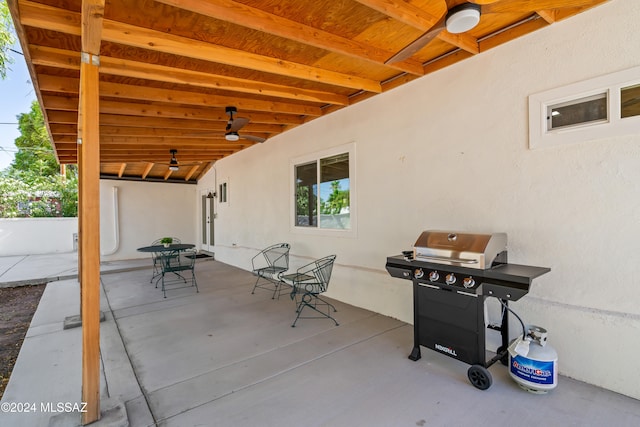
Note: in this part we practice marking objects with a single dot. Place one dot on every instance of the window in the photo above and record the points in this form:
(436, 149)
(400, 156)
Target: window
(323, 186)
(223, 192)
(630, 101)
(590, 109)
(603, 107)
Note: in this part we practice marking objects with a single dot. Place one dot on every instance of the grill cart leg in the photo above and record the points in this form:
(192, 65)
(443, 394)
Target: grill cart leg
(415, 353)
(501, 352)
(480, 377)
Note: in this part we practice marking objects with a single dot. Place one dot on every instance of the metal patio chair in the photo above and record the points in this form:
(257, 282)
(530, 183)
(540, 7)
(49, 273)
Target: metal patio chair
(157, 263)
(268, 265)
(174, 264)
(310, 281)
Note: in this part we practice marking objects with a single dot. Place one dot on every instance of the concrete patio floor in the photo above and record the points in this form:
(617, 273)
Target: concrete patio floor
(225, 357)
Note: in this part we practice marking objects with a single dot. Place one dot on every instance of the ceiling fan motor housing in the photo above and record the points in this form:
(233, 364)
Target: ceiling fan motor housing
(462, 18)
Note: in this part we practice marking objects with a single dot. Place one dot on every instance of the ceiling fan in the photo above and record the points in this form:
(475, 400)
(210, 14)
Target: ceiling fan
(466, 16)
(235, 124)
(174, 165)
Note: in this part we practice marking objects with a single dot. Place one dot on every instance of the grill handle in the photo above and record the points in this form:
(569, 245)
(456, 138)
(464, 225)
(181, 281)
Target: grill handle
(437, 258)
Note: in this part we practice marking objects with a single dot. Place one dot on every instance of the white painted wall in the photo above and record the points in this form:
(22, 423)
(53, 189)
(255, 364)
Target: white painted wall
(146, 211)
(449, 151)
(32, 236)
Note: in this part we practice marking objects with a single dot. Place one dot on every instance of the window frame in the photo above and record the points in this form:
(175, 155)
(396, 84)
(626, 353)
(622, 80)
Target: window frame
(223, 192)
(316, 157)
(615, 125)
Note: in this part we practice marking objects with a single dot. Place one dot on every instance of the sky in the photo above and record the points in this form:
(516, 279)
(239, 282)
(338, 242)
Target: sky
(16, 95)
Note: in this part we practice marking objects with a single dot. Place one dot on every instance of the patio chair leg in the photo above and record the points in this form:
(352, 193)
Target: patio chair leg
(327, 303)
(276, 284)
(253, 291)
(306, 302)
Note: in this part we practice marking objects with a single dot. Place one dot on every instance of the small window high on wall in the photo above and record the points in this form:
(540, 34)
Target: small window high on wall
(323, 189)
(223, 192)
(630, 101)
(604, 107)
(578, 112)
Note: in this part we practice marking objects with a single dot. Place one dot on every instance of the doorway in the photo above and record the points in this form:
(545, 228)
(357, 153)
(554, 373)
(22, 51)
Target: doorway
(208, 215)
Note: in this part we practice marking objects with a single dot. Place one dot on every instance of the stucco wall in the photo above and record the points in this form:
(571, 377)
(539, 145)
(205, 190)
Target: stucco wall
(146, 212)
(32, 236)
(450, 151)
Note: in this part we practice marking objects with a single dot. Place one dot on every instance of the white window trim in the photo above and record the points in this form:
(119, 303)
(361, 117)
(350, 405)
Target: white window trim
(540, 137)
(310, 158)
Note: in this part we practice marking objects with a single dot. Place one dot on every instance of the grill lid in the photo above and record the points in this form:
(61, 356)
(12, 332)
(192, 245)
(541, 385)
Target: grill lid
(469, 250)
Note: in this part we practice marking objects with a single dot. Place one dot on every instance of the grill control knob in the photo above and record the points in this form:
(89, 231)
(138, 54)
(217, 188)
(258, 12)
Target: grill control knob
(450, 279)
(418, 273)
(433, 276)
(468, 282)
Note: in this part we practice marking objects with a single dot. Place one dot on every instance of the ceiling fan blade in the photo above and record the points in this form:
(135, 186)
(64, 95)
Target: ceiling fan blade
(253, 138)
(418, 43)
(524, 6)
(237, 124)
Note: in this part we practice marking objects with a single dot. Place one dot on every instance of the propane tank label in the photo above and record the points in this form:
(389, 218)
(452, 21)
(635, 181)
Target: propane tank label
(534, 371)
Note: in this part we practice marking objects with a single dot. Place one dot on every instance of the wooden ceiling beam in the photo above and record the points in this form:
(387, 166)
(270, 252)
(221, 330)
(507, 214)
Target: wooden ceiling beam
(59, 58)
(69, 85)
(185, 124)
(151, 132)
(531, 6)
(512, 33)
(146, 171)
(63, 129)
(143, 38)
(408, 13)
(162, 140)
(156, 158)
(62, 117)
(257, 19)
(92, 18)
(52, 18)
(202, 152)
(210, 129)
(547, 15)
(462, 41)
(121, 171)
(192, 171)
(126, 108)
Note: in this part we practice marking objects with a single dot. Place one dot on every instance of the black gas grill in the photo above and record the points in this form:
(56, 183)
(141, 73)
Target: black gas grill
(452, 274)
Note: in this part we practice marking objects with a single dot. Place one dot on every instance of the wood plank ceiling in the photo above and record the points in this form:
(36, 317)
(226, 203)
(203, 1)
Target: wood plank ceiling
(169, 68)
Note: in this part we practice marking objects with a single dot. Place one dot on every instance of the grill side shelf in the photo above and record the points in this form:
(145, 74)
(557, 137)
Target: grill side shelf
(515, 273)
(398, 267)
(510, 281)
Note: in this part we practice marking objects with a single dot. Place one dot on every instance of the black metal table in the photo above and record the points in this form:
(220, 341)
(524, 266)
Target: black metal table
(172, 247)
(160, 249)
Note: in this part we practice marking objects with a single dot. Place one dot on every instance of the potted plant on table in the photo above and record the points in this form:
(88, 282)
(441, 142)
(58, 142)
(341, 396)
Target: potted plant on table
(166, 241)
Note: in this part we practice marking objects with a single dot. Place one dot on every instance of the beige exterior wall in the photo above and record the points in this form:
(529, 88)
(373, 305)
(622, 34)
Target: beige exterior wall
(32, 236)
(146, 212)
(450, 151)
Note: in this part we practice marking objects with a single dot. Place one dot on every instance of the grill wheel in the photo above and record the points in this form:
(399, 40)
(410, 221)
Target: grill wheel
(480, 377)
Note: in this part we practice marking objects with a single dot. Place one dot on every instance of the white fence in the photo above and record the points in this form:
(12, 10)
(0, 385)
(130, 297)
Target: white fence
(31, 236)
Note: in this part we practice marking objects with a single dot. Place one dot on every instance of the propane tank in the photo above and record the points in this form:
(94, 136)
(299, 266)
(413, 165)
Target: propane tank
(533, 363)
